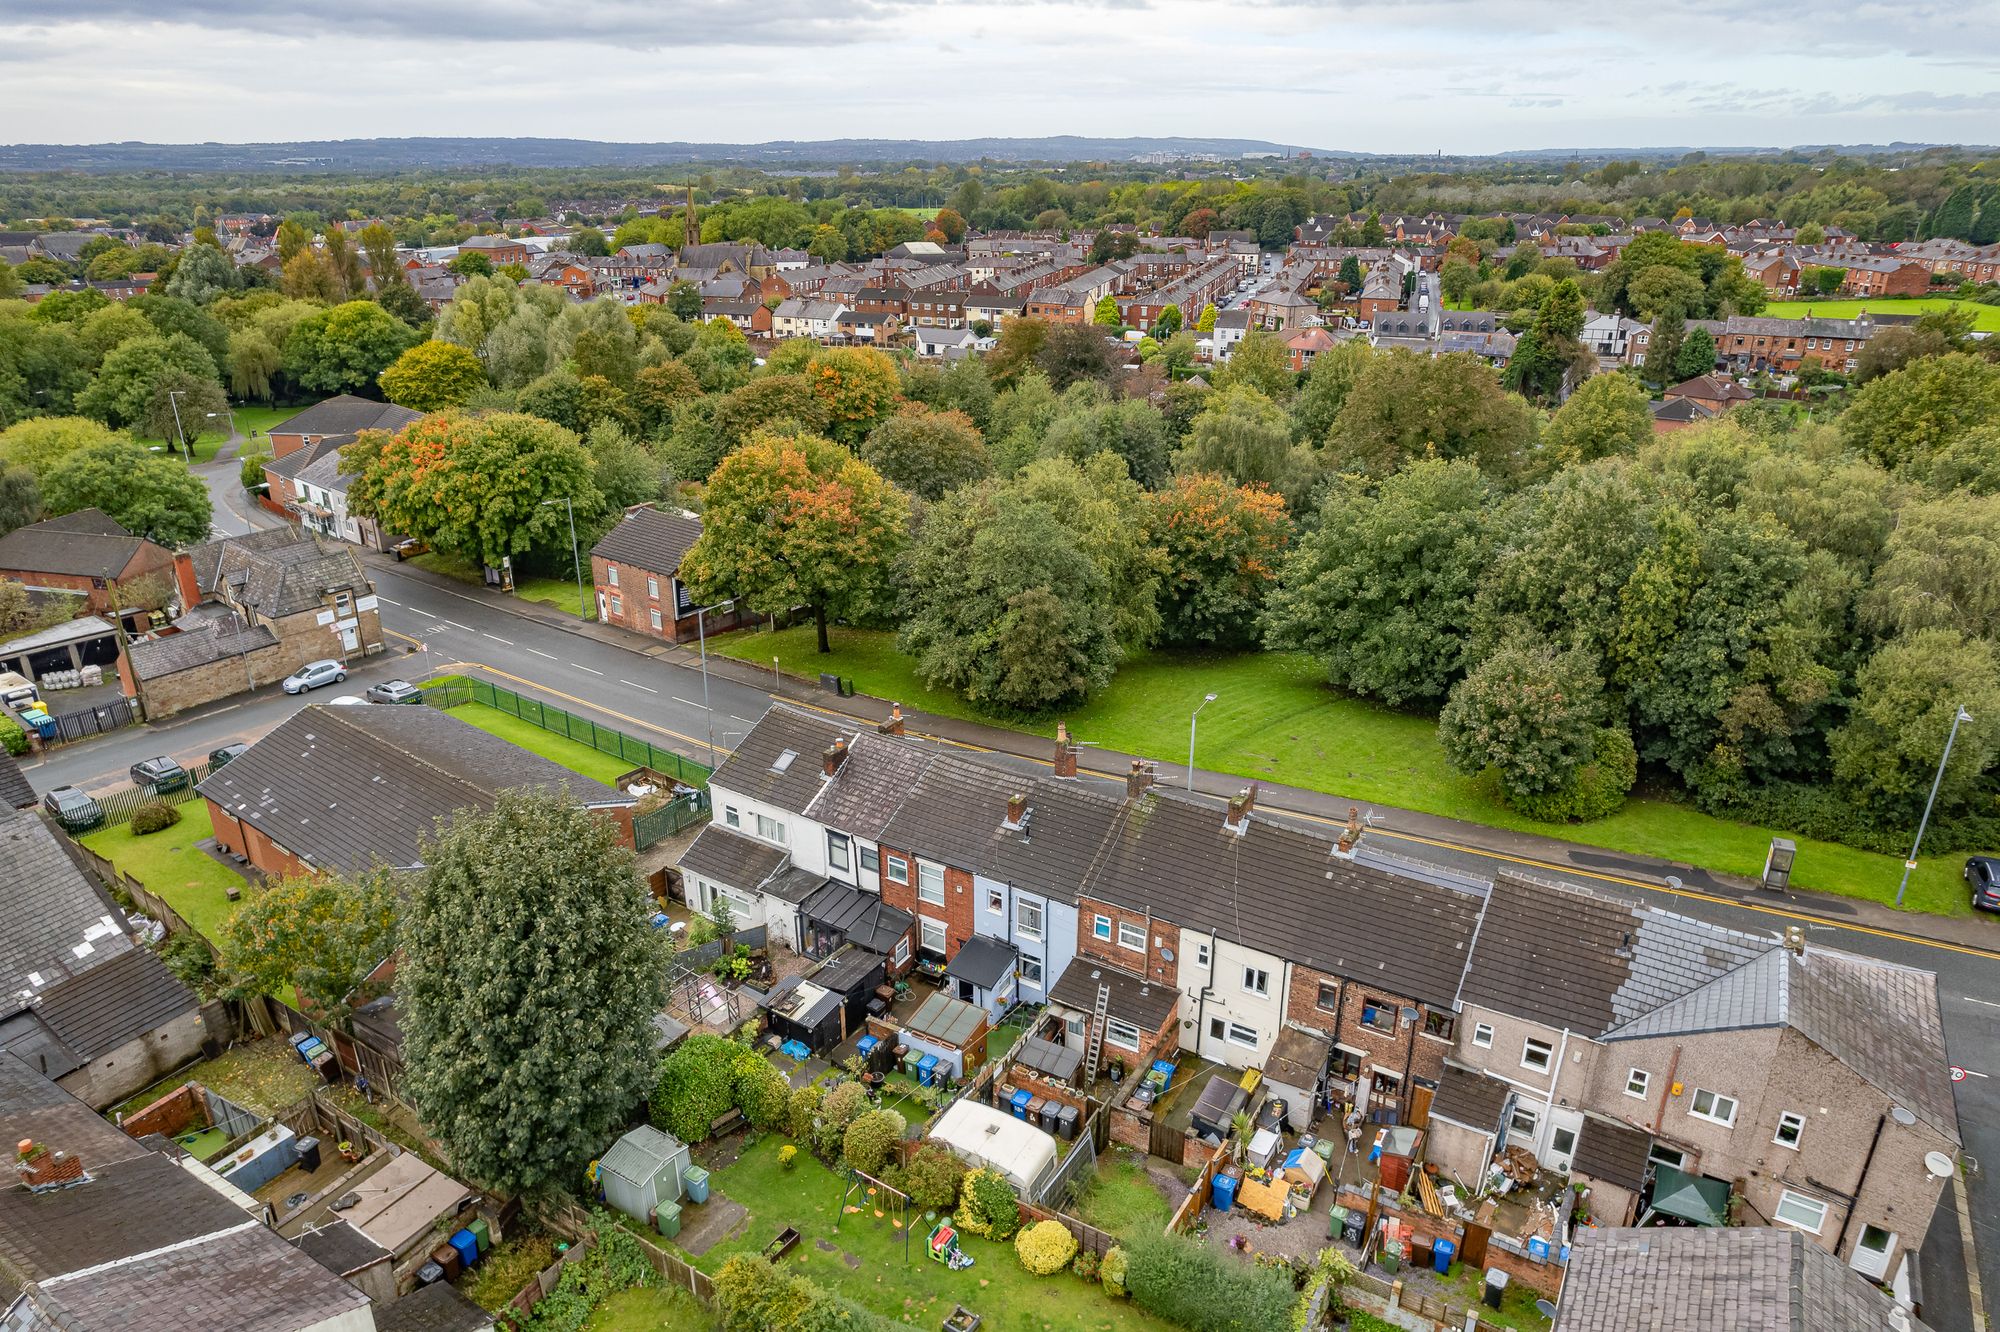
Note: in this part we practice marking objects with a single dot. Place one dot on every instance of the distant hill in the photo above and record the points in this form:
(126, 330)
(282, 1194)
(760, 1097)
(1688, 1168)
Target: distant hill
(403, 154)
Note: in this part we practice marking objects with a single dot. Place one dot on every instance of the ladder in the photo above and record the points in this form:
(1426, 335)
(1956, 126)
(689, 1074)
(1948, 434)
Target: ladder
(1097, 1028)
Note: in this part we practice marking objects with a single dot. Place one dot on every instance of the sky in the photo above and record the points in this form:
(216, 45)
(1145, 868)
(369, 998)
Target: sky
(1459, 76)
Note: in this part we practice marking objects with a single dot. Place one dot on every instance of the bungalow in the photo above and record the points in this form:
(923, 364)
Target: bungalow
(800, 317)
(635, 568)
(946, 343)
(88, 554)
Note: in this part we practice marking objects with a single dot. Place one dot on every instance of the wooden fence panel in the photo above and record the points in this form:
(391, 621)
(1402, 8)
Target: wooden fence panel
(1167, 1143)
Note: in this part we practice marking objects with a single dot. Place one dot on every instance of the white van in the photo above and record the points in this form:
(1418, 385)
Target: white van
(17, 691)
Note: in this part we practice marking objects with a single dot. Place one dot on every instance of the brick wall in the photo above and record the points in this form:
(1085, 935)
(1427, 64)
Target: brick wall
(1022, 1079)
(168, 694)
(956, 911)
(170, 1114)
(1542, 1278)
(1161, 936)
(235, 837)
(1405, 1051)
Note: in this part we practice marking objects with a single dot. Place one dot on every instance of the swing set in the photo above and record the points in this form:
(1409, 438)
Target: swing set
(878, 1196)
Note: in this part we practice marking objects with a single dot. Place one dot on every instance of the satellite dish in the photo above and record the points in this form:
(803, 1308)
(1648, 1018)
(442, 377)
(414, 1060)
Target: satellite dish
(1902, 1116)
(1937, 1165)
(1407, 1015)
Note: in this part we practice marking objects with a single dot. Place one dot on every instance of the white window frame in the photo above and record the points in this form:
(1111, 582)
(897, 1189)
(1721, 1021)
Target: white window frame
(1031, 970)
(925, 926)
(1659, 1154)
(839, 851)
(1804, 1203)
(617, 604)
(1548, 1053)
(1262, 979)
(652, 588)
(732, 816)
(897, 870)
(1694, 1104)
(1100, 928)
(1114, 1029)
(1387, 1024)
(1201, 955)
(770, 829)
(1524, 1110)
(902, 953)
(1796, 1123)
(611, 574)
(1235, 1033)
(996, 901)
(1637, 1082)
(1022, 909)
(658, 623)
(930, 880)
(1482, 1035)
(1126, 927)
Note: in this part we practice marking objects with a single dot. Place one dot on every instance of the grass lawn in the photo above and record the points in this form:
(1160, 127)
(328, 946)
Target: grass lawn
(864, 1261)
(262, 1075)
(578, 758)
(649, 1308)
(1120, 1198)
(214, 434)
(168, 863)
(1275, 718)
(560, 593)
(1983, 316)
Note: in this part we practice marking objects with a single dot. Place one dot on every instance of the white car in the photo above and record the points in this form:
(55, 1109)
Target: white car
(314, 674)
(350, 701)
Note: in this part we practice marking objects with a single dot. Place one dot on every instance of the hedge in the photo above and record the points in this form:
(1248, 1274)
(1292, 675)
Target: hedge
(12, 738)
(1204, 1290)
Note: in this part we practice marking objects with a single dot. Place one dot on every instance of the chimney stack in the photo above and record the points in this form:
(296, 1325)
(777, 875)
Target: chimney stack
(1017, 809)
(41, 1169)
(1139, 778)
(1065, 764)
(1237, 820)
(893, 726)
(1350, 836)
(835, 755)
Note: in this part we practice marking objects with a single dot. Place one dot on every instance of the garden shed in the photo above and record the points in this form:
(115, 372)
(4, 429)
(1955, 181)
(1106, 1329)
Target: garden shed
(826, 1005)
(642, 1170)
(983, 1136)
(951, 1029)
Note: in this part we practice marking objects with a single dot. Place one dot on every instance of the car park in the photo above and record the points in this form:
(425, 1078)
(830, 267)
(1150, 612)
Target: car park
(314, 674)
(160, 774)
(1983, 874)
(394, 691)
(71, 808)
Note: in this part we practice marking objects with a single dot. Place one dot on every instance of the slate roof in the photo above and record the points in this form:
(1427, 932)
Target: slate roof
(434, 1308)
(1467, 1096)
(126, 996)
(1297, 1058)
(277, 571)
(15, 792)
(51, 909)
(730, 858)
(1705, 1279)
(339, 1248)
(345, 787)
(344, 414)
(982, 961)
(650, 538)
(870, 785)
(1059, 838)
(204, 645)
(1613, 1152)
(84, 544)
(298, 460)
(1133, 999)
(951, 813)
(130, 1206)
(751, 771)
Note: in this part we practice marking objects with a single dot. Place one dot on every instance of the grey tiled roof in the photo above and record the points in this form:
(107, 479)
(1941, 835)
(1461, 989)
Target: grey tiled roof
(339, 1248)
(731, 859)
(1133, 999)
(51, 909)
(650, 538)
(345, 414)
(870, 785)
(1469, 1097)
(1613, 1152)
(345, 787)
(85, 544)
(952, 812)
(278, 571)
(982, 961)
(1064, 829)
(751, 769)
(15, 792)
(298, 460)
(130, 1206)
(125, 997)
(1749, 1279)
(203, 645)
(434, 1308)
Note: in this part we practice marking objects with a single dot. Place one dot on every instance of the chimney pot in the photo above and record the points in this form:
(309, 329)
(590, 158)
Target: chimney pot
(835, 755)
(1351, 834)
(1017, 808)
(893, 726)
(1138, 779)
(1065, 760)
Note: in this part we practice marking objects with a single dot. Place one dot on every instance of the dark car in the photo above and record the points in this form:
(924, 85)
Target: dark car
(218, 757)
(1983, 873)
(75, 811)
(407, 547)
(162, 774)
(395, 691)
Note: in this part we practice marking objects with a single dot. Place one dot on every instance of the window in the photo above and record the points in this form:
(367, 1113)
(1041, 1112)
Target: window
(1121, 1034)
(1482, 1035)
(1328, 997)
(731, 817)
(1443, 1026)
(1716, 1109)
(1387, 1083)
(652, 588)
(838, 853)
(1562, 1142)
(899, 870)
(996, 901)
(930, 883)
(1346, 1063)
(1101, 927)
(1233, 1032)
(1637, 1081)
(871, 860)
(1028, 919)
(1031, 970)
(1076, 1028)
(930, 935)
(1256, 980)
(902, 950)
(1667, 1156)
(1201, 955)
(1524, 1121)
(1376, 1015)
(611, 574)
(1537, 1054)
(1131, 936)
(1791, 1128)
(1795, 1209)
(617, 605)
(343, 604)
(770, 829)
(658, 623)
(1871, 1251)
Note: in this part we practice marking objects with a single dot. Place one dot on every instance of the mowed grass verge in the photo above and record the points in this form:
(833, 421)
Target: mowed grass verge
(1985, 317)
(579, 758)
(170, 865)
(1275, 718)
(560, 593)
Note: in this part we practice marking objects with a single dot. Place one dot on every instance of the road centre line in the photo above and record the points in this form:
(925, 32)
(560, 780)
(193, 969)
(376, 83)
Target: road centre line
(636, 685)
(586, 668)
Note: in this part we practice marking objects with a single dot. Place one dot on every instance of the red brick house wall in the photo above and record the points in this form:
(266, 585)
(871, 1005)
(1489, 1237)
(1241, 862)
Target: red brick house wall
(638, 599)
(1161, 937)
(148, 559)
(1335, 1005)
(232, 835)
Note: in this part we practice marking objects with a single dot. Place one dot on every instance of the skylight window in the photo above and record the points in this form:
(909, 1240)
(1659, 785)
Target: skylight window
(784, 760)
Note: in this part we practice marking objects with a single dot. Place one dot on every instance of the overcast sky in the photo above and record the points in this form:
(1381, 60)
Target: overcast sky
(1369, 75)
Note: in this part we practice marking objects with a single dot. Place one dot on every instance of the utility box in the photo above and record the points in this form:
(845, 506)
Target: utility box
(1778, 864)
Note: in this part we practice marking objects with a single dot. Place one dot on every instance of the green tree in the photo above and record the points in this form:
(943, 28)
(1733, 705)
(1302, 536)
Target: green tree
(1939, 569)
(1608, 414)
(1261, 362)
(1087, 423)
(202, 274)
(1017, 351)
(1206, 323)
(20, 504)
(1380, 592)
(320, 932)
(433, 375)
(470, 264)
(684, 300)
(527, 926)
(1246, 437)
(345, 349)
(1886, 755)
(1168, 323)
(658, 389)
(1953, 217)
(1350, 273)
(860, 388)
(183, 407)
(1904, 419)
(1223, 544)
(1328, 382)
(1404, 404)
(1696, 355)
(1528, 713)
(125, 383)
(797, 521)
(153, 497)
(1107, 314)
(45, 443)
(1073, 353)
(588, 241)
(766, 402)
(927, 453)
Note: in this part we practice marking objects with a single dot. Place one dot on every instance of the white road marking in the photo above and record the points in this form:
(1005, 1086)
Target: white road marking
(687, 701)
(538, 652)
(745, 720)
(586, 668)
(1986, 1002)
(380, 597)
(496, 638)
(636, 685)
(456, 625)
(421, 611)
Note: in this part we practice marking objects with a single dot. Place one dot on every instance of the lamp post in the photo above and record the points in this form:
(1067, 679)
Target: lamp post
(576, 558)
(701, 636)
(229, 412)
(174, 401)
(1961, 716)
(1206, 700)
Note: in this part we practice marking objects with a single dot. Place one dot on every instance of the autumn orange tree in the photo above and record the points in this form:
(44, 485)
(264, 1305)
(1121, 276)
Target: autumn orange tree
(322, 933)
(796, 520)
(1223, 544)
(860, 388)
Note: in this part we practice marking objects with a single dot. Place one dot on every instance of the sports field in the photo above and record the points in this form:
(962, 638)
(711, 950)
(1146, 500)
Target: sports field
(1983, 316)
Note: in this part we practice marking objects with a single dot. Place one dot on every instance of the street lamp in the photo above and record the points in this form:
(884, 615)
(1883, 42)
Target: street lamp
(576, 559)
(1206, 700)
(1936, 782)
(174, 401)
(229, 412)
(701, 635)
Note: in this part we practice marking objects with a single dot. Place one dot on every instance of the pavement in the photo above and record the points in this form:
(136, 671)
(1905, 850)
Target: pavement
(437, 624)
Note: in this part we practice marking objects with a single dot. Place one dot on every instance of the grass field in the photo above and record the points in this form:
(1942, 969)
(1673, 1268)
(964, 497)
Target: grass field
(1121, 1198)
(249, 420)
(1983, 316)
(169, 864)
(578, 758)
(560, 593)
(1275, 718)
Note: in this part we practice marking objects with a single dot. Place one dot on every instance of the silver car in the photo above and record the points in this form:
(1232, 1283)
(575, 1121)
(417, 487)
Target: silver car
(314, 674)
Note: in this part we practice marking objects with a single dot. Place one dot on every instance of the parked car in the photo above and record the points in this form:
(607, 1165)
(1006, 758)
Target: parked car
(161, 773)
(314, 674)
(1983, 873)
(75, 811)
(348, 701)
(407, 547)
(218, 757)
(395, 691)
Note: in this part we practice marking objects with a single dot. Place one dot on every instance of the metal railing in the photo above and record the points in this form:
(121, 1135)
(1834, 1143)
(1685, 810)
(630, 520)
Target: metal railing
(604, 739)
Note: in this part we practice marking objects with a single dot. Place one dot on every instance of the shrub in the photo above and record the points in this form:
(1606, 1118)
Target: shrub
(752, 1295)
(1045, 1248)
(250, 471)
(987, 1205)
(802, 1109)
(1596, 789)
(870, 1139)
(191, 960)
(1112, 1271)
(788, 1157)
(842, 1106)
(933, 1177)
(153, 816)
(761, 1092)
(1087, 1264)
(12, 738)
(696, 1086)
(1203, 1289)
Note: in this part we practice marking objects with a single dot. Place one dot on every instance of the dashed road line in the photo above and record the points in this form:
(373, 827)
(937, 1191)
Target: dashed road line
(456, 625)
(496, 638)
(586, 668)
(550, 655)
(636, 685)
(421, 611)
(387, 600)
(687, 702)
